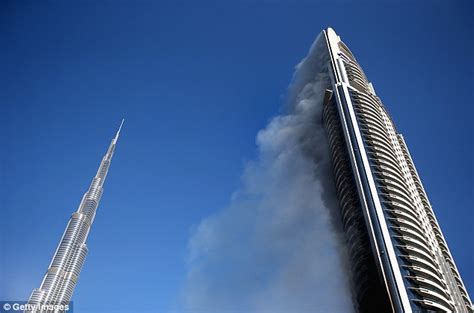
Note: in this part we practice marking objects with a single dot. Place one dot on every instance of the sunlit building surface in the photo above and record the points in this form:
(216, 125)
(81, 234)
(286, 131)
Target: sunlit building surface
(59, 282)
(400, 260)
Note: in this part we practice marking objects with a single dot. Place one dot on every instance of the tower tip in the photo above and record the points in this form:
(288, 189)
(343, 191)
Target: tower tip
(118, 131)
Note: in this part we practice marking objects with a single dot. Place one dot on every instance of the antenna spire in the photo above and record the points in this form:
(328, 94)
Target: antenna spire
(118, 131)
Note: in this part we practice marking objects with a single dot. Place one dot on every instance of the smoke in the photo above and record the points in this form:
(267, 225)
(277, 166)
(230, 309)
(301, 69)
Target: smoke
(277, 247)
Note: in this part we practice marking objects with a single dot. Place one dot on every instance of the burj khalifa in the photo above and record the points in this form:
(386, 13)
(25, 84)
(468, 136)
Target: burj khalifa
(62, 275)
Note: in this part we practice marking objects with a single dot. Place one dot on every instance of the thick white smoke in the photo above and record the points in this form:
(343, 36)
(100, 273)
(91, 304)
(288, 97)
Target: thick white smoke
(277, 247)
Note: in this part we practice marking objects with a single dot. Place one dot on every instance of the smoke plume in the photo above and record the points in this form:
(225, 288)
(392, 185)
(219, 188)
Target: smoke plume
(277, 246)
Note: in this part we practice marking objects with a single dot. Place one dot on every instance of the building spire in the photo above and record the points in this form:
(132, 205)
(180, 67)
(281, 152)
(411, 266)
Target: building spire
(118, 131)
(60, 280)
(105, 164)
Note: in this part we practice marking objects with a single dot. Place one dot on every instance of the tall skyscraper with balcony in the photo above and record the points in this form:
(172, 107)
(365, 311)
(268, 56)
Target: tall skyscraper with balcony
(400, 259)
(63, 272)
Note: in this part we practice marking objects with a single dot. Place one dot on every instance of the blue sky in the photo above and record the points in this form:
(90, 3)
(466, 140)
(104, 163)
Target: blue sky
(195, 83)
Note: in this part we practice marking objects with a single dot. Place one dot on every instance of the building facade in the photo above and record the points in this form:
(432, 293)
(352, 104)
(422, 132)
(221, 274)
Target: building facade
(59, 282)
(400, 259)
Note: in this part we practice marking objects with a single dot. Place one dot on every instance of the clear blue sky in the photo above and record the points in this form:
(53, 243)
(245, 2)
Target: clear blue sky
(195, 83)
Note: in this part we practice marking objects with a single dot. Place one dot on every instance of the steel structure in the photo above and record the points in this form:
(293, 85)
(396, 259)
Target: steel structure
(400, 259)
(63, 272)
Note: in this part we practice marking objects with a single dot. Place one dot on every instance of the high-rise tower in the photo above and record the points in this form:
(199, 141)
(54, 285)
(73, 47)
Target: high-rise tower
(400, 259)
(63, 272)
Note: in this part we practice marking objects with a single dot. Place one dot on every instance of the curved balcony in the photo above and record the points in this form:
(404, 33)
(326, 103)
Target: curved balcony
(435, 296)
(426, 273)
(422, 281)
(432, 305)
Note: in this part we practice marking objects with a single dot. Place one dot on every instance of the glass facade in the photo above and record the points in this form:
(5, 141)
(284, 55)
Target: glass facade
(58, 284)
(414, 267)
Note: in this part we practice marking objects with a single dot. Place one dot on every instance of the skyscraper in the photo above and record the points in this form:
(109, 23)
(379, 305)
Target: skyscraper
(63, 272)
(400, 259)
